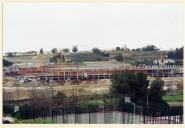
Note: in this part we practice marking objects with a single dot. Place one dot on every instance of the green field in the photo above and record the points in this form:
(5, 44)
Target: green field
(48, 120)
(177, 97)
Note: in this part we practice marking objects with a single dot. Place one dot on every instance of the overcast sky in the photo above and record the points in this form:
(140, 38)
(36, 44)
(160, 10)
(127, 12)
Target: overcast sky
(31, 26)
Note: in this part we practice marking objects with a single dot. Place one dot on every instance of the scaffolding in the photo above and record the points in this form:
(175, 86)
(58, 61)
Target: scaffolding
(83, 72)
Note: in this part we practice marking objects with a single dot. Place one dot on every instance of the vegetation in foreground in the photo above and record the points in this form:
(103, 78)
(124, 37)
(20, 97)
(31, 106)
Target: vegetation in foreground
(136, 86)
(35, 121)
(176, 97)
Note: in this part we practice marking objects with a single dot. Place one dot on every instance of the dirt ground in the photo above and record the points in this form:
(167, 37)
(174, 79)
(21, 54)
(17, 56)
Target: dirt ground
(14, 90)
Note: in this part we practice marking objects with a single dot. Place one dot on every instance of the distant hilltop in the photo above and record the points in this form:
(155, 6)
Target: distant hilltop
(75, 50)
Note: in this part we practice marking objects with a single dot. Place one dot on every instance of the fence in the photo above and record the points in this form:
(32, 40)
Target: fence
(95, 113)
(109, 115)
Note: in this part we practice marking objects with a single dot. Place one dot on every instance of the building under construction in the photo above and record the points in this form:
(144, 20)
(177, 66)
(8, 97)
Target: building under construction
(80, 72)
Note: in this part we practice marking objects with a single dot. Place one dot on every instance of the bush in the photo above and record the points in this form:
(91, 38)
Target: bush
(8, 109)
(86, 57)
(18, 116)
(150, 48)
(177, 54)
(119, 58)
(7, 63)
(58, 99)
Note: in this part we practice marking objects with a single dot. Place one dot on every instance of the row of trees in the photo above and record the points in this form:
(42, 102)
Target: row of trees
(74, 50)
(100, 52)
(150, 48)
(40, 105)
(7, 63)
(136, 86)
(146, 48)
(118, 57)
(55, 50)
(122, 48)
(177, 54)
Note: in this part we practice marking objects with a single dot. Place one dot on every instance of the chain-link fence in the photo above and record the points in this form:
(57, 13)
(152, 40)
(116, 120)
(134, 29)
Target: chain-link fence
(109, 115)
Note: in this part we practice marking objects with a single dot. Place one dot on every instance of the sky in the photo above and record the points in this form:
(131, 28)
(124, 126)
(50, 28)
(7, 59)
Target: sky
(31, 26)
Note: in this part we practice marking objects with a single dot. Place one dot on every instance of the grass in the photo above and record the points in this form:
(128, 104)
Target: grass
(90, 102)
(35, 121)
(171, 99)
(178, 97)
(86, 57)
(103, 101)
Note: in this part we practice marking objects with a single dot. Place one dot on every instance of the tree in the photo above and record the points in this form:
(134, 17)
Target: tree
(150, 48)
(96, 51)
(119, 58)
(130, 84)
(122, 49)
(10, 54)
(100, 52)
(66, 50)
(180, 54)
(119, 83)
(58, 99)
(156, 90)
(155, 94)
(7, 63)
(105, 54)
(41, 51)
(177, 54)
(61, 57)
(142, 86)
(54, 51)
(118, 48)
(138, 49)
(54, 58)
(136, 87)
(75, 49)
(171, 55)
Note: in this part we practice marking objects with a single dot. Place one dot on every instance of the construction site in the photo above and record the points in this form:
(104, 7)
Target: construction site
(88, 81)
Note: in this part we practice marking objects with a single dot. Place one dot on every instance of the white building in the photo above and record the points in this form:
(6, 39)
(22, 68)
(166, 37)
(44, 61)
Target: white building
(165, 61)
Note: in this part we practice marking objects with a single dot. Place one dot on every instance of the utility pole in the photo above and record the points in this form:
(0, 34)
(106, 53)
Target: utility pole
(18, 92)
(33, 97)
(51, 94)
(127, 100)
(74, 106)
(147, 101)
(172, 89)
(76, 103)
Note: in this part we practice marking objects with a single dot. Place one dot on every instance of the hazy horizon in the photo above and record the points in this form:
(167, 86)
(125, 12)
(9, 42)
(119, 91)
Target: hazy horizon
(79, 50)
(31, 26)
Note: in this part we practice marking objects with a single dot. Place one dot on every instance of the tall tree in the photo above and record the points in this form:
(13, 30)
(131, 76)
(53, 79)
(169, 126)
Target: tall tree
(130, 84)
(41, 51)
(119, 58)
(96, 51)
(54, 51)
(75, 49)
(150, 48)
(156, 91)
(66, 50)
(177, 54)
(7, 63)
(118, 48)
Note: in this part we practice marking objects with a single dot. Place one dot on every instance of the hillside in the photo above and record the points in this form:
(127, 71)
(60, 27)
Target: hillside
(130, 57)
(30, 59)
